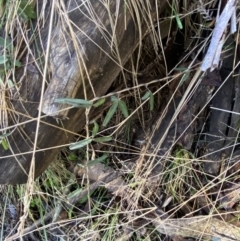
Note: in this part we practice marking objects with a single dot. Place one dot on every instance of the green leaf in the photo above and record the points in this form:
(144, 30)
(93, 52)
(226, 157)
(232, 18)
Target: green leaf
(72, 157)
(123, 108)
(103, 139)
(4, 42)
(184, 78)
(80, 144)
(79, 103)
(114, 98)
(146, 95)
(70, 213)
(5, 135)
(110, 113)
(85, 197)
(5, 145)
(97, 160)
(77, 192)
(151, 101)
(181, 69)
(26, 10)
(17, 63)
(74, 193)
(179, 23)
(99, 102)
(10, 83)
(3, 59)
(95, 128)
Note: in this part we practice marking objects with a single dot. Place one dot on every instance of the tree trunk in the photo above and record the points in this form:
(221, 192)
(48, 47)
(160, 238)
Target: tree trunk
(83, 62)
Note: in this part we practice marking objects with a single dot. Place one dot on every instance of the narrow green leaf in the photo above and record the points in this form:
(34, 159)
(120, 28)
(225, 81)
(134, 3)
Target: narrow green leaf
(10, 83)
(70, 213)
(181, 69)
(184, 78)
(151, 101)
(179, 23)
(123, 108)
(95, 128)
(85, 197)
(74, 193)
(103, 139)
(3, 59)
(97, 160)
(114, 98)
(4, 144)
(79, 103)
(17, 63)
(4, 42)
(80, 144)
(146, 95)
(5, 135)
(110, 113)
(99, 102)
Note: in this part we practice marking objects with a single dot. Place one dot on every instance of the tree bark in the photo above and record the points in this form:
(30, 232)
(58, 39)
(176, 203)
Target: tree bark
(86, 42)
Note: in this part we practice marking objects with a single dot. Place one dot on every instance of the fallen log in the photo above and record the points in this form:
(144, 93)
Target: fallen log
(90, 43)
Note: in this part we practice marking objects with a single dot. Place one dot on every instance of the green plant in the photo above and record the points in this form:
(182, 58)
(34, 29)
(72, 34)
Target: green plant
(149, 95)
(178, 174)
(116, 103)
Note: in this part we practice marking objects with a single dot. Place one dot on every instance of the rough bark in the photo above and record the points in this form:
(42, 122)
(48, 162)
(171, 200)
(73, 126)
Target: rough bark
(66, 76)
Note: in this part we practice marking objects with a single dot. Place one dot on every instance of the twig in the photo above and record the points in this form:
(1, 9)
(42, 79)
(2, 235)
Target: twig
(195, 227)
(218, 31)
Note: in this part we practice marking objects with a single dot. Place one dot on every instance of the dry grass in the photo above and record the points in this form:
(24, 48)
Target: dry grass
(66, 202)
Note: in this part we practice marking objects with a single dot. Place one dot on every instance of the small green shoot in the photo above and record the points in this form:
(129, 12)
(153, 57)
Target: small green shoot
(4, 141)
(72, 157)
(4, 144)
(179, 173)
